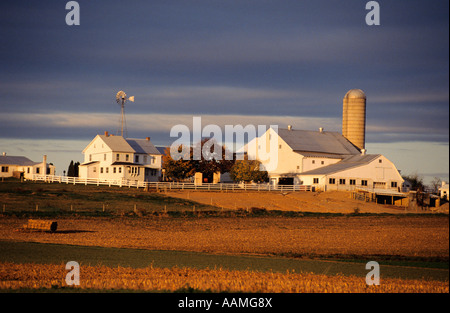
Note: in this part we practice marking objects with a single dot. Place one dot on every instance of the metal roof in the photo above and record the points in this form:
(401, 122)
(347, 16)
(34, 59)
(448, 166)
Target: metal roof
(120, 144)
(316, 141)
(355, 94)
(17, 160)
(117, 143)
(347, 163)
(143, 146)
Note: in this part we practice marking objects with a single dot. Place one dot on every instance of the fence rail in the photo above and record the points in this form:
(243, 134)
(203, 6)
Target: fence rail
(170, 185)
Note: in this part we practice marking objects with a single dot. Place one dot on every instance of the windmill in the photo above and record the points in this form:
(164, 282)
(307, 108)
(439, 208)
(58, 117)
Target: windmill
(121, 98)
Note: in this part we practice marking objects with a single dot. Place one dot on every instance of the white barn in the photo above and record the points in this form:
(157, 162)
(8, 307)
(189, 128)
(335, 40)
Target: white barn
(115, 157)
(326, 160)
(20, 166)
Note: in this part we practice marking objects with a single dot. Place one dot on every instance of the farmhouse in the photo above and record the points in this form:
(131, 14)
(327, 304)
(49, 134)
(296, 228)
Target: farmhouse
(443, 191)
(329, 160)
(115, 157)
(20, 166)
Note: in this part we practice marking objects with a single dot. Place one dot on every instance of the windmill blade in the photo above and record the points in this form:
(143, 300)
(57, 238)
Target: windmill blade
(131, 98)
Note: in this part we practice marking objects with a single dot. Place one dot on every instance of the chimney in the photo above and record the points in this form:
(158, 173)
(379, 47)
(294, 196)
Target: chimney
(321, 130)
(147, 138)
(106, 133)
(289, 127)
(44, 165)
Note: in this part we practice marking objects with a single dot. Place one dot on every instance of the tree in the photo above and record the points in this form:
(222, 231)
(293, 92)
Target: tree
(76, 168)
(435, 184)
(71, 170)
(416, 181)
(248, 171)
(176, 170)
(214, 158)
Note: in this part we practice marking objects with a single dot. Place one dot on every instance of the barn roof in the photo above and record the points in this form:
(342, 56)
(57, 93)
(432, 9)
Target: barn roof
(347, 163)
(331, 143)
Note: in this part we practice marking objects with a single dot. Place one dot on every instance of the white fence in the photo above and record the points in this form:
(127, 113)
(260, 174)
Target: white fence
(169, 185)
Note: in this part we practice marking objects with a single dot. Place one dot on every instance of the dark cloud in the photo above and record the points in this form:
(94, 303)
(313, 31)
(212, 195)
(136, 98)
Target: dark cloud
(288, 58)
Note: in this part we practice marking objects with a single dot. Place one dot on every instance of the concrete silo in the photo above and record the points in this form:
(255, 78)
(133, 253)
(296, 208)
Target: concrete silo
(354, 117)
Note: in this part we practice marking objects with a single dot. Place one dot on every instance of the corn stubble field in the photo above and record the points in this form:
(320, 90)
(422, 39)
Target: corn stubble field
(350, 236)
(38, 276)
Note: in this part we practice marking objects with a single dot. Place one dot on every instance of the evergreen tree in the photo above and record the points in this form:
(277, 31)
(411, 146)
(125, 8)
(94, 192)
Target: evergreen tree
(71, 170)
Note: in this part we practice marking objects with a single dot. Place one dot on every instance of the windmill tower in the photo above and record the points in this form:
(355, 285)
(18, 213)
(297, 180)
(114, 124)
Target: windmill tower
(121, 98)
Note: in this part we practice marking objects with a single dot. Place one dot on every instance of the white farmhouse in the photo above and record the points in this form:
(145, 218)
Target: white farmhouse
(443, 191)
(20, 166)
(115, 157)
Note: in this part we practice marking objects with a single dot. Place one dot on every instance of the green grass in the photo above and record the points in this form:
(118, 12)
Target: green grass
(28, 252)
(43, 199)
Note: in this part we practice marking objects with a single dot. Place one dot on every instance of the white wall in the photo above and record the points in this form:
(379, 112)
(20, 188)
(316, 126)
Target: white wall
(374, 172)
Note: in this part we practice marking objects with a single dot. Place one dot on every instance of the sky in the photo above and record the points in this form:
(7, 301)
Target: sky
(229, 62)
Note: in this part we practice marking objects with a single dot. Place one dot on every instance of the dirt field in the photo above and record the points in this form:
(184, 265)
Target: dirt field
(344, 236)
(330, 202)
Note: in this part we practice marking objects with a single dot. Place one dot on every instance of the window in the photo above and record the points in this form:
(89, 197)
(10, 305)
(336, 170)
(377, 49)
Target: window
(114, 170)
(313, 161)
(394, 184)
(94, 169)
(380, 161)
(107, 169)
(298, 167)
(315, 180)
(38, 169)
(332, 181)
(90, 157)
(5, 169)
(352, 181)
(136, 159)
(342, 181)
(117, 157)
(363, 182)
(322, 162)
(145, 159)
(120, 170)
(104, 157)
(28, 170)
(101, 169)
(279, 146)
(127, 157)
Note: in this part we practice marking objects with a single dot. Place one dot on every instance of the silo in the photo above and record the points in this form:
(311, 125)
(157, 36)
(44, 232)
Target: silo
(354, 117)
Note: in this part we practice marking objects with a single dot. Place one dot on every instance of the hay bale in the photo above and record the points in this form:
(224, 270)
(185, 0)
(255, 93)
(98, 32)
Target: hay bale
(43, 225)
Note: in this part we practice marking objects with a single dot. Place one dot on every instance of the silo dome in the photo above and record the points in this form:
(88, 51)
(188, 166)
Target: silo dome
(355, 94)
